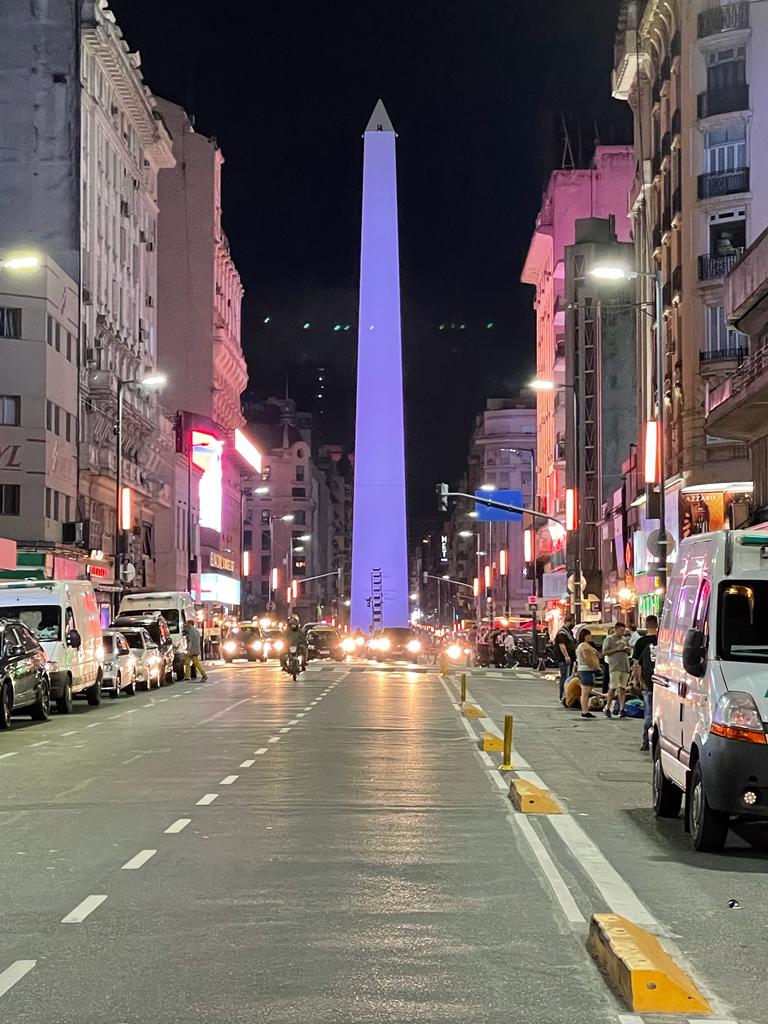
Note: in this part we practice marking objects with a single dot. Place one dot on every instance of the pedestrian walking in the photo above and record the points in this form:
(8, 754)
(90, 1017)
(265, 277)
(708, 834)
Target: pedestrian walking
(565, 652)
(510, 648)
(644, 655)
(616, 651)
(587, 663)
(194, 652)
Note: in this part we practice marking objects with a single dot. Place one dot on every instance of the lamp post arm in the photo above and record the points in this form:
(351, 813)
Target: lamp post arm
(489, 503)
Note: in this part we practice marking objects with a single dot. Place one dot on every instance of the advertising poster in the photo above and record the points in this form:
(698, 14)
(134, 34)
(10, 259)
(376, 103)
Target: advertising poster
(703, 511)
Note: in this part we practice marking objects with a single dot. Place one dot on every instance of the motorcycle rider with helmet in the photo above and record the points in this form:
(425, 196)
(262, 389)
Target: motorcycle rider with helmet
(294, 636)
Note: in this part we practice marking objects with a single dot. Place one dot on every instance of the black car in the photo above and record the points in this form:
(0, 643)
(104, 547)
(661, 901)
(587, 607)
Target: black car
(324, 643)
(244, 641)
(397, 643)
(24, 683)
(157, 627)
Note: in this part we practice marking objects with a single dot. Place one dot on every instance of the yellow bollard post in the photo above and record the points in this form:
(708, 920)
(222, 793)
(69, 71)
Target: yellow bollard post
(507, 765)
(443, 663)
(463, 687)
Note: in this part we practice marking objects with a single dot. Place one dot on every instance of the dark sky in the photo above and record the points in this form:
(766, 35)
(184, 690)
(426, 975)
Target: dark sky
(475, 91)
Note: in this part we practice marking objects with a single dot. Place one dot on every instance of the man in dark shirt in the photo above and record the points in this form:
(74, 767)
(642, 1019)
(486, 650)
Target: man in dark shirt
(644, 656)
(565, 651)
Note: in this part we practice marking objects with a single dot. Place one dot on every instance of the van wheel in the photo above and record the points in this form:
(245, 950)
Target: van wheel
(6, 706)
(41, 709)
(667, 798)
(93, 693)
(64, 702)
(708, 828)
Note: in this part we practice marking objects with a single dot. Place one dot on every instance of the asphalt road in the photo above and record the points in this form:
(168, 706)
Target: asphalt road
(331, 850)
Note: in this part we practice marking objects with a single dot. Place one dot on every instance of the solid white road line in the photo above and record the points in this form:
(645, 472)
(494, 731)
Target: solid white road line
(248, 764)
(472, 734)
(13, 753)
(228, 780)
(629, 1018)
(15, 973)
(139, 860)
(83, 910)
(261, 750)
(207, 799)
(553, 876)
(178, 826)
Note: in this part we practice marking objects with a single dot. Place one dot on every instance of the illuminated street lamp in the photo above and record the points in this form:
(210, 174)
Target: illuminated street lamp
(20, 262)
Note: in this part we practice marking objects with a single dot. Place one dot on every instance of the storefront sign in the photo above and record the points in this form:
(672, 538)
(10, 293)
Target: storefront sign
(219, 589)
(217, 561)
(100, 572)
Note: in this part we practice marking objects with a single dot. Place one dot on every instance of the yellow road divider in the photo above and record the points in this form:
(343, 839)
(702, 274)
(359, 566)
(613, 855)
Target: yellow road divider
(532, 799)
(640, 969)
(491, 743)
(470, 711)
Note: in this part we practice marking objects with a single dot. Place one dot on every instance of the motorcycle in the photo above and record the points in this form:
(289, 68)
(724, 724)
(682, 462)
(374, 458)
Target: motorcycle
(294, 666)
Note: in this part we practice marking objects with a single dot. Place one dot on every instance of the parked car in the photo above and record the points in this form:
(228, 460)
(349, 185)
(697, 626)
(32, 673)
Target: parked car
(395, 643)
(176, 607)
(24, 683)
(119, 665)
(710, 694)
(157, 627)
(149, 663)
(64, 617)
(324, 642)
(245, 640)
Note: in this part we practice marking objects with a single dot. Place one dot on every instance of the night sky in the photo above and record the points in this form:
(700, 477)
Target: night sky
(476, 92)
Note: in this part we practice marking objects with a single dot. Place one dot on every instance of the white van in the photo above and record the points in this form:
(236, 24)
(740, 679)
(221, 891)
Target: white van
(710, 694)
(175, 607)
(64, 617)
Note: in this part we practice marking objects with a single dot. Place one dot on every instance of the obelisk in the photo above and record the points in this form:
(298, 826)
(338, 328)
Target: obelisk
(379, 531)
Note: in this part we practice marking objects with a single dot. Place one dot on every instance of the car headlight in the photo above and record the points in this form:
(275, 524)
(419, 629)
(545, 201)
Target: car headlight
(414, 646)
(374, 645)
(348, 646)
(737, 717)
(256, 645)
(278, 645)
(359, 641)
(230, 646)
(384, 644)
(454, 651)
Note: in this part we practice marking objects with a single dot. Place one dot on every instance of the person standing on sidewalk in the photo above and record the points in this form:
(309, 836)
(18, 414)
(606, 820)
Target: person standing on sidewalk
(645, 661)
(616, 651)
(194, 652)
(587, 663)
(565, 651)
(509, 649)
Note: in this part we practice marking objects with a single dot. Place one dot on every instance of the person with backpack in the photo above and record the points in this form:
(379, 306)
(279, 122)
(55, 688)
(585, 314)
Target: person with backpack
(644, 656)
(565, 652)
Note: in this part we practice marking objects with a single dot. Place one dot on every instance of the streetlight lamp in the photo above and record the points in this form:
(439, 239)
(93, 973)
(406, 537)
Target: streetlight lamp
(20, 262)
(153, 382)
(273, 517)
(618, 272)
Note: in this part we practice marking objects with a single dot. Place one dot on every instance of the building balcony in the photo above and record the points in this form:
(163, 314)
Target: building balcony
(723, 183)
(677, 202)
(736, 407)
(723, 101)
(726, 18)
(721, 360)
(627, 58)
(711, 268)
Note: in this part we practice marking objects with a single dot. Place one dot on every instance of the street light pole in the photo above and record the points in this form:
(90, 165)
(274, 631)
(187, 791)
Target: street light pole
(660, 359)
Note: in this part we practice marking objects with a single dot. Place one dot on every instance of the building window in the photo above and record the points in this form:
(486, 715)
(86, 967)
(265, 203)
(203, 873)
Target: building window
(265, 540)
(266, 472)
(56, 420)
(248, 539)
(67, 509)
(727, 232)
(265, 588)
(10, 322)
(10, 499)
(56, 505)
(265, 514)
(299, 492)
(300, 517)
(725, 149)
(48, 415)
(300, 473)
(721, 338)
(49, 335)
(57, 337)
(70, 424)
(10, 410)
(265, 565)
(69, 346)
(48, 497)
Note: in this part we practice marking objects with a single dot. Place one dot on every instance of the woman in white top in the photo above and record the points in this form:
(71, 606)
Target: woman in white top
(587, 663)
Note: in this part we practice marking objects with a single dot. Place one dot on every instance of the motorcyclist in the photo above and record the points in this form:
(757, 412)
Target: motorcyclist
(294, 636)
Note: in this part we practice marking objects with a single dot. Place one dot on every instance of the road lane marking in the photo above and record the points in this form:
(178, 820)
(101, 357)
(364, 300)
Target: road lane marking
(71, 733)
(113, 717)
(82, 910)
(248, 764)
(15, 973)
(162, 700)
(286, 729)
(207, 799)
(92, 725)
(552, 875)
(40, 743)
(228, 780)
(273, 739)
(13, 753)
(178, 826)
(139, 860)
(300, 714)
(132, 711)
(261, 750)
(293, 721)
(308, 707)
(134, 758)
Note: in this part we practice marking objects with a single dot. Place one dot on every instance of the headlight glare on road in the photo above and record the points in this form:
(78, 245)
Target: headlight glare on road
(414, 646)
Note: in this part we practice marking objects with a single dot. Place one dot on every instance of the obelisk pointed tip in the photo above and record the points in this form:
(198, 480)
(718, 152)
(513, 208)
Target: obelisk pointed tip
(380, 121)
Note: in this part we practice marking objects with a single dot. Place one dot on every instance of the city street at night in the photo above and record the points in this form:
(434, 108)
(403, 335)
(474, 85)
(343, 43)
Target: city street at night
(338, 849)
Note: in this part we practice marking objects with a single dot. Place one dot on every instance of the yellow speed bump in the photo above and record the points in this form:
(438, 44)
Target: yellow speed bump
(532, 799)
(640, 969)
(470, 711)
(491, 743)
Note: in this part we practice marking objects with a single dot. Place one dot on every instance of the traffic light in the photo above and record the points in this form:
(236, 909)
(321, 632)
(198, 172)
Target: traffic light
(442, 497)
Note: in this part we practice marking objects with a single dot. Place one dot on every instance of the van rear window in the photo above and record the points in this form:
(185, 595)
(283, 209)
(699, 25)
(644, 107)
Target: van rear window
(171, 616)
(743, 620)
(43, 619)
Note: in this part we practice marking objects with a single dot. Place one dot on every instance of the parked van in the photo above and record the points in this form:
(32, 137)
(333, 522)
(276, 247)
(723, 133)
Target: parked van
(64, 617)
(175, 607)
(710, 694)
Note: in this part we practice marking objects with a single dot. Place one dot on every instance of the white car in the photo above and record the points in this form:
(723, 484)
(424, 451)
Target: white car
(119, 664)
(149, 663)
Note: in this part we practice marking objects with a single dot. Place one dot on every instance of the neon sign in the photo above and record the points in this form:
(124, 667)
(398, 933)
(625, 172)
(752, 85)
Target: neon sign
(207, 455)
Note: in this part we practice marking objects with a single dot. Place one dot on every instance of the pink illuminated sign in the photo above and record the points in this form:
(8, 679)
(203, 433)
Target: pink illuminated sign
(207, 452)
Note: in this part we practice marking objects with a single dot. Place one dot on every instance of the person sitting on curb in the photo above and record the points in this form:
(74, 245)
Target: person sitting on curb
(616, 651)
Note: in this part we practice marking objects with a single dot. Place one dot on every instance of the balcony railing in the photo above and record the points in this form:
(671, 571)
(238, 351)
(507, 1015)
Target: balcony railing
(724, 100)
(723, 183)
(713, 267)
(729, 352)
(750, 368)
(723, 19)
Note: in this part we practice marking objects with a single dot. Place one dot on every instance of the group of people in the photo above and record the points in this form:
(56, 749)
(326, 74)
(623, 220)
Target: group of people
(496, 648)
(628, 663)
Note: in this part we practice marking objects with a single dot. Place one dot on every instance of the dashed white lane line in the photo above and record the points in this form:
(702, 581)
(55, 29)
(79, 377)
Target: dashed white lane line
(178, 826)
(308, 707)
(228, 780)
(133, 711)
(300, 714)
(83, 910)
(13, 974)
(139, 860)
(162, 700)
(13, 753)
(40, 743)
(92, 725)
(72, 732)
(207, 799)
(113, 717)
(286, 729)
(293, 721)
(273, 739)
(261, 750)
(248, 764)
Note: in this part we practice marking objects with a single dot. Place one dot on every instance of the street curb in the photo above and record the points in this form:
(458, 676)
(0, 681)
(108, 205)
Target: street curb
(491, 743)
(640, 970)
(532, 799)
